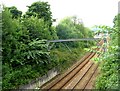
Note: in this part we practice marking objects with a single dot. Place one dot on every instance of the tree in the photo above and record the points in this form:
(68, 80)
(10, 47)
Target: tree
(23, 49)
(70, 27)
(15, 12)
(14, 37)
(37, 28)
(109, 77)
(41, 10)
(66, 29)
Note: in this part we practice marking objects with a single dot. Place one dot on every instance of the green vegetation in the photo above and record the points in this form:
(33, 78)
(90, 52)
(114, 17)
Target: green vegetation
(25, 54)
(15, 13)
(63, 59)
(109, 74)
(70, 27)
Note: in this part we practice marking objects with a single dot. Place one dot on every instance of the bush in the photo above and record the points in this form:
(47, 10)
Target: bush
(108, 78)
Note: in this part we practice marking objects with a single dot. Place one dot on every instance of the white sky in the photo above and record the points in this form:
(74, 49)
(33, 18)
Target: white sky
(92, 12)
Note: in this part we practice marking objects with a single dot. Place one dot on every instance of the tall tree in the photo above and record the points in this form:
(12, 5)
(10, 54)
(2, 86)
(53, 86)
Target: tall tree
(116, 22)
(15, 12)
(41, 10)
(70, 27)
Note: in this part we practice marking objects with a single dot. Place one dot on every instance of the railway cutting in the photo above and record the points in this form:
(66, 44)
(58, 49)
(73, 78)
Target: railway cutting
(81, 75)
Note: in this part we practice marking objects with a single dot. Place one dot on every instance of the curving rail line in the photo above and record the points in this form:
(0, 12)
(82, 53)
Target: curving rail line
(79, 76)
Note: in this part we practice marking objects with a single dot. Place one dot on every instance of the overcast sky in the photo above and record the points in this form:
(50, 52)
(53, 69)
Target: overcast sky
(92, 12)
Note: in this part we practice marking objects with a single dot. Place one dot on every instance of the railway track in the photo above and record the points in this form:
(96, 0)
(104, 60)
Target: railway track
(80, 76)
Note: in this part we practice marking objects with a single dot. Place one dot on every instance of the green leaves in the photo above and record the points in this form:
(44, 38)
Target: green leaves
(37, 28)
(15, 13)
(103, 29)
(40, 10)
(71, 27)
(24, 43)
(25, 54)
(108, 78)
(37, 51)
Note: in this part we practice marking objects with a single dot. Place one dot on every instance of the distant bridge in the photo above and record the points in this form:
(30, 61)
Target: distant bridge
(66, 40)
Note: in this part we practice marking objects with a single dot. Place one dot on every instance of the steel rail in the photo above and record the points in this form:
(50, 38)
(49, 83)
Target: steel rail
(87, 60)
